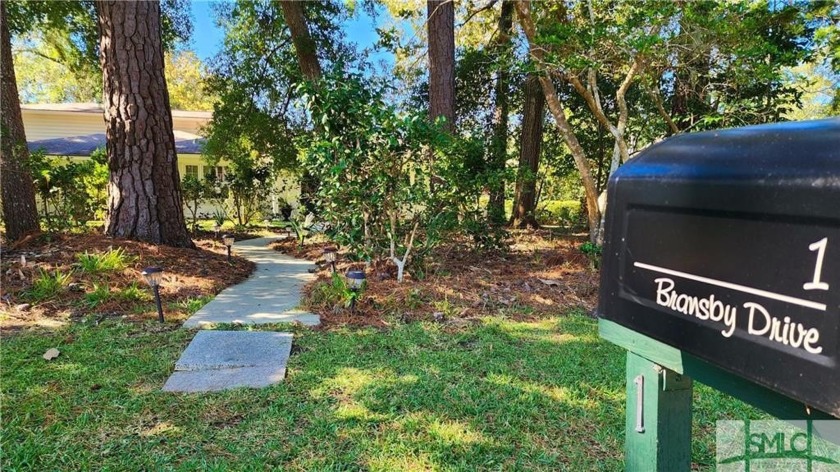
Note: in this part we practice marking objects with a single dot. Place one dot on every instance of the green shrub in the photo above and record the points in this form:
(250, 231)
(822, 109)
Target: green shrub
(374, 192)
(193, 191)
(47, 285)
(485, 237)
(71, 192)
(334, 293)
(114, 259)
(593, 252)
(192, 305)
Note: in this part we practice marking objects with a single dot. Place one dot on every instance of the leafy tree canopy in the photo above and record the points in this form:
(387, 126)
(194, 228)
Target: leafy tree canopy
(57, 46)
(256, 73)
(186, 77)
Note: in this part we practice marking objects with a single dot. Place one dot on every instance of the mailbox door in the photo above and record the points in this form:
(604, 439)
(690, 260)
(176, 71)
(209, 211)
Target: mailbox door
(727, 246)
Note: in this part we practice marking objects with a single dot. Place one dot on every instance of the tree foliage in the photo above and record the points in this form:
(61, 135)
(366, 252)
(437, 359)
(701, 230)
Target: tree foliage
(57, 48)
(375, 192)
(44, 76)
(256, 74)
(186, 77)
(699, 64)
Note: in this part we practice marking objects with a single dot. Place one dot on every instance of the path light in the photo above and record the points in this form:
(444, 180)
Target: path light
(266, 223)
(355, 280)
(216, 228)
(153, 276)
(228, 240)
(329, 256)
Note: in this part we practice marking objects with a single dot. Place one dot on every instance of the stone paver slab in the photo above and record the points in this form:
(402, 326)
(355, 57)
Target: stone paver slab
(228, 349)
(218, 360)
(223, 379)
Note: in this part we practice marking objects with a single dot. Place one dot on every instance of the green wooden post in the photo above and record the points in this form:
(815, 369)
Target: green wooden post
(658, 429)
(665, 443)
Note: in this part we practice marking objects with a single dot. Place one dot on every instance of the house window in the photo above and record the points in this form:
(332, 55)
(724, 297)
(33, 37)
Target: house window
(215, 173)
(192, 171)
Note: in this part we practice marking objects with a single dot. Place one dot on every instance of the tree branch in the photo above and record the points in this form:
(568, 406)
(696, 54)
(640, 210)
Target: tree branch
(523, 10)
(657, 100)
(488, 6)
(623, 113)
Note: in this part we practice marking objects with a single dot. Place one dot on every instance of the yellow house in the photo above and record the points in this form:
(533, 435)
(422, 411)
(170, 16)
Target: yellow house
(75, 130)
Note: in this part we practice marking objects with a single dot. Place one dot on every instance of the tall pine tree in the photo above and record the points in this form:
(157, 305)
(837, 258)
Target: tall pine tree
(20, 214)
(144, 199)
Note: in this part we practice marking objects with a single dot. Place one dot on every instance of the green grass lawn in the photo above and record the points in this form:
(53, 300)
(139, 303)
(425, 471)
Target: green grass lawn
(500, 395)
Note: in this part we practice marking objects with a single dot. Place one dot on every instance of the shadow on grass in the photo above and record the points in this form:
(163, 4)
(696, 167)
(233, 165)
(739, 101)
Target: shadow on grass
(503, 395)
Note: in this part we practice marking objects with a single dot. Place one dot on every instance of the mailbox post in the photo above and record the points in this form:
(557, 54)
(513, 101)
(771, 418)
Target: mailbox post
(722, 265)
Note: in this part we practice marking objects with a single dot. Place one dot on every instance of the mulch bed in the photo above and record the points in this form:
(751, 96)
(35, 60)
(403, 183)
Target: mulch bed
(312, 250)
(541, 275)
(189, 274)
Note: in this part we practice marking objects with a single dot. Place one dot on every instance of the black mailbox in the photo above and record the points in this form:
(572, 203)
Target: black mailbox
(726, 245)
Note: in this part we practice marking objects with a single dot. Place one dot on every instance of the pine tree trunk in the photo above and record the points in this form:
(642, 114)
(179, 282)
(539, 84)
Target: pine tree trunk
(496, 205)
(20, 215)
(144, 198)
(524, 205)
(441, 28)
(441, 31)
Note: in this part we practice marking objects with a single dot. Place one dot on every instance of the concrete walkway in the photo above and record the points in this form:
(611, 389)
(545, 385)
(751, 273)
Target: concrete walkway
(219, 360)
(270, 295)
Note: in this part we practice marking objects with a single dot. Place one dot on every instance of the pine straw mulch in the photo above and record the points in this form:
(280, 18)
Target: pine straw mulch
(541, 275)
(312, 249)
(189, 274)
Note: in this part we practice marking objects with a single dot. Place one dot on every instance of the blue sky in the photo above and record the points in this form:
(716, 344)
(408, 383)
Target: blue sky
(207, 37)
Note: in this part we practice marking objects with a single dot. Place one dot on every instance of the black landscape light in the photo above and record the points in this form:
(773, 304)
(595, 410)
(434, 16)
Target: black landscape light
(329, 256)
(355, 280)
(216, 228)
(266, 223)
(228, 240)
(153, 276)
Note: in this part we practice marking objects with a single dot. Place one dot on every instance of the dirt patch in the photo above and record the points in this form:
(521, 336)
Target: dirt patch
(541, 275)
(190, 274)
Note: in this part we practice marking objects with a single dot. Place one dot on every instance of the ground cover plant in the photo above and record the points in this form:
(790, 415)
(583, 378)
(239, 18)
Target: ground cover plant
(497, 394)
(55, 278)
